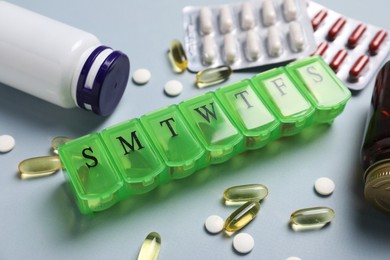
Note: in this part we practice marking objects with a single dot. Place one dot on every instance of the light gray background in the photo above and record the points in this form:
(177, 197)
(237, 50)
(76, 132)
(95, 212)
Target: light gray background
(39, 221)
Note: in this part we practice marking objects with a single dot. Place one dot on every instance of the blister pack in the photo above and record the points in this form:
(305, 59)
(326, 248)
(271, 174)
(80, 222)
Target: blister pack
(247, 34)
(353, 49)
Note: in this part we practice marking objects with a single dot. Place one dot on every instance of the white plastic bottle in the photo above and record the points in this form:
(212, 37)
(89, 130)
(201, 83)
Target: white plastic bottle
(59, 63)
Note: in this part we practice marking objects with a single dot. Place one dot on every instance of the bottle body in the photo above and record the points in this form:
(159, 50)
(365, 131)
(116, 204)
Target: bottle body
(46, 58)
(375, 152)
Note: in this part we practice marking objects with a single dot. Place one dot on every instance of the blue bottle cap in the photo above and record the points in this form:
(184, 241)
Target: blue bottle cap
(109, 84)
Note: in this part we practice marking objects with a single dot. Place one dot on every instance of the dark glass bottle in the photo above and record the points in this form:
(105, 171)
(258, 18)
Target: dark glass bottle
(375, 153)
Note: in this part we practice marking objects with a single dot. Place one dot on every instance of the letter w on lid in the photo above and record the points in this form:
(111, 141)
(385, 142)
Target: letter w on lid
(211, 125)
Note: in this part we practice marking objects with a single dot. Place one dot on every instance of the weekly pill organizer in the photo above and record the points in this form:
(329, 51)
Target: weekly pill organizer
(247, 34)
(354, 50)
(136, 156)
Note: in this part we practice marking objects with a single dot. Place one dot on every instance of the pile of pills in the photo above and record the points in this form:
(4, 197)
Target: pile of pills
(353, 49)
(249, 197)
(248, 34)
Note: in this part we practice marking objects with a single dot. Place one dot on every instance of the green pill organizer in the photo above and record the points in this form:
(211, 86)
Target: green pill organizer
(136, 156)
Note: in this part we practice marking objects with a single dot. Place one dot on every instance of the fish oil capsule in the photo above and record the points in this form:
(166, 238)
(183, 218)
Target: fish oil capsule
(212, 76)
(247, 17)
(318, 19)
(336, 29)
(39, 166)
(57, 141)
(289, 10)
(338, 59)
(252, 45)
(377, 41)
(312, 217)
(241, 194)
(151, 247)
(274, 43)
(206, 22)
(209, 53)
(178, 56)
(296, 36)
(358, 69)
(230, 49)
(242, 216)
(225, 19)
(269, 13)
(356, 35)
(321, 49)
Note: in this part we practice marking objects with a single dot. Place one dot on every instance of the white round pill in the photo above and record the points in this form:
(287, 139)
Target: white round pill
(243, 243)
(214, 224)
(173, 88)
(141, 76)
(7, 143)
(324, 186)
(293, 258)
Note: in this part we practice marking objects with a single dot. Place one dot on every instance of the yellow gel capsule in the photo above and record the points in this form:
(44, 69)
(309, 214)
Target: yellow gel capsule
(39, 166)
(311, 217)
(242, 216)
(238, 195)
(57, 141)
(178, 56)
(151, 247)
(212, 76)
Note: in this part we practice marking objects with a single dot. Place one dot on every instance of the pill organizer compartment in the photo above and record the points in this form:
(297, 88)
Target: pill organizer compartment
(354, 49)
(174, 142)
(247, 34)
(286, 101)
(134, 156)
(251, 115)
(208, 120)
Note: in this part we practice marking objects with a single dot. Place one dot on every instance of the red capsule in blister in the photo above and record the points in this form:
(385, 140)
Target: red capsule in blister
(321, 49)
(336, 28)
(358, 68)
(318, 19)
(338, 59)
(356, 35)
(376, 42)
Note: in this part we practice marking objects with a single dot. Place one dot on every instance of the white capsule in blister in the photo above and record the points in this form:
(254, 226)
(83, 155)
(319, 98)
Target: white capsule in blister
(252, 45)
(209, 54)
(225, 19)
(296, 36)
(206, 21)
(269, 13)
(247, 16)
(289, 10)
(230, 49)
(274, 43)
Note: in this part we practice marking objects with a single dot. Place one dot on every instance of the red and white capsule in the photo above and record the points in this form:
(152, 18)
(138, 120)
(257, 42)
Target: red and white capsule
(321, 49)
(359, 68)
(356, 35)
(336, 28)
(377, 41)
(318, 19)
(338, 59)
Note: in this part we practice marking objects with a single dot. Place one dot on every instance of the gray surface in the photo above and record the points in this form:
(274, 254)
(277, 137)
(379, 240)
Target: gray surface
(39, 221)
